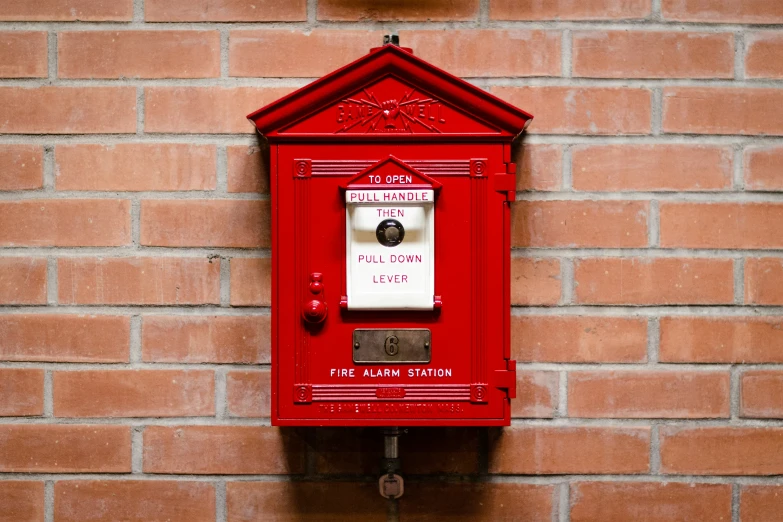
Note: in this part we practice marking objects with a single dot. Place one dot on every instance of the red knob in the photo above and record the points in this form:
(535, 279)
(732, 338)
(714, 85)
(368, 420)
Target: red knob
(314, 311)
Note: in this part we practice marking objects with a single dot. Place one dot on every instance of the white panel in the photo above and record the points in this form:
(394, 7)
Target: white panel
(380, 277)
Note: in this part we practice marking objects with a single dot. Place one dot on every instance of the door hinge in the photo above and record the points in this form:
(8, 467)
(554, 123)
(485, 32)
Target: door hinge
(507, 182)
(506, 379)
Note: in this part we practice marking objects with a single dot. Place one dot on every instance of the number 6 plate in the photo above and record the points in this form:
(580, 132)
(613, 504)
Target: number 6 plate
(401, 346)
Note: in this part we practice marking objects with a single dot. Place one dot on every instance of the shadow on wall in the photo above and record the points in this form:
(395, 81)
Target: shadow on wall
(443, 470)
(535, 179)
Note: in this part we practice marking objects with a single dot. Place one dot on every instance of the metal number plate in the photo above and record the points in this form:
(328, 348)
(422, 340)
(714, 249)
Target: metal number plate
(401, 346)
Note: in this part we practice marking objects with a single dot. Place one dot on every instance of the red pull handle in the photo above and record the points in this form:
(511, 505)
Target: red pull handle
(314, 311)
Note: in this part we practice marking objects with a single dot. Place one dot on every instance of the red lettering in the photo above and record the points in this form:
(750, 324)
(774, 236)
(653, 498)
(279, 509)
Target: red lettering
(389, 278)
(364, 197)
(371, 259)
(409, 258)
(391, 212)
(405, 196)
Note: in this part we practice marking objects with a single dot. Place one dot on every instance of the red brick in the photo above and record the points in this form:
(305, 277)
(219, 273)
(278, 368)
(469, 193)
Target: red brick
(22, 280)
(70, 448)
(210, 110)
(427, 451)
(68, 110)
(21, 392)
(224, 223)
(338, 451)
(762, 55)
(21, 501)
(582, 110)
(304, 501)
(138, 54)
(721, 225)
(64, 338)
(649, 501)
(225, 11)
(514, 52)
(249, 394)
(535, 281)
(568, 9)
(569, 450)
(721, 110)
(21, 167)
(139, 280)
(648, 54)
(539, 167)
(206, 339)
(531, 53)
(247, 169)
(75, 222)
(721, 450)
(135, 167)
(537, 395)
(762, 168)
(579, 224)
(268, 52)
(438, 451)
(654, 167)
(721, 340)
(333, 501)
(762, 394)
(367, 10)
(133, 500)
(67, 10)
(23, 54)
(441, 450)
(213, 450)
(626, 394)
(742, 11)
(760, 503)
(251, 283)
(764, 281)
(650, 281)
(578, 339)
(134, 393)
(478, 502)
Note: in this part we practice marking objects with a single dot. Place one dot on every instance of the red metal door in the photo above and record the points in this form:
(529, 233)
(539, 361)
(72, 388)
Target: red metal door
(460, 384)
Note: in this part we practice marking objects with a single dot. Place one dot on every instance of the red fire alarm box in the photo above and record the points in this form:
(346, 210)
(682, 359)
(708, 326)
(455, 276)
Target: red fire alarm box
(390, 184)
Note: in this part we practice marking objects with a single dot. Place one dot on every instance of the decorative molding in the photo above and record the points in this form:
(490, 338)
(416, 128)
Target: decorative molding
(302, 257)
(406, 392)
(478, 393)
(478, 262)
(303, 393)
(478, 167)
(303, 168)
(353, 167)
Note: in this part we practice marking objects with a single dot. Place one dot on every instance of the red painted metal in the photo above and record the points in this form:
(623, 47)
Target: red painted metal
(385, 114)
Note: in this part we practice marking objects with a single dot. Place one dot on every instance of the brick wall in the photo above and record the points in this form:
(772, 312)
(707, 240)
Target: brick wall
(647, 266)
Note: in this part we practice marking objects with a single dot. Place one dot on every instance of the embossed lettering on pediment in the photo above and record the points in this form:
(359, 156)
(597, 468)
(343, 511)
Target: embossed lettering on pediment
(390, 106)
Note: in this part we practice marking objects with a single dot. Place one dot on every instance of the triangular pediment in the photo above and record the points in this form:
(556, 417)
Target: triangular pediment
(389, 94)
(390, 106)
(391, 173)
